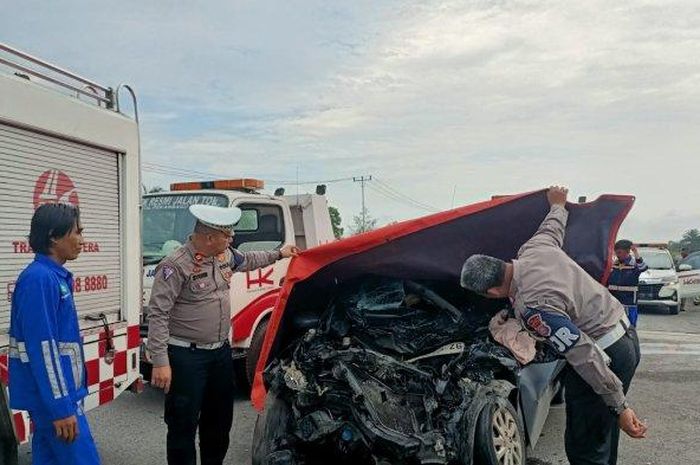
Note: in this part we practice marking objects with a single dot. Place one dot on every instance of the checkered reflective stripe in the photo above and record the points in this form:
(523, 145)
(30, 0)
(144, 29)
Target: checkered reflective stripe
(107, 377)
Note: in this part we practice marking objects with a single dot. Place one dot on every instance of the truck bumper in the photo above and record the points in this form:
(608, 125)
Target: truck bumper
(657, 303)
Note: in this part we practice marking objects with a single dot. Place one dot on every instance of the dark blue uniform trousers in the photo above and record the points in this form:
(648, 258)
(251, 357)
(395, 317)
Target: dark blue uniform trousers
(201, 395)
(592, 431)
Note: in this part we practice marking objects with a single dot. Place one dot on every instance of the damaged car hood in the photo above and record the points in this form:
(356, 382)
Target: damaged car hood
(433, 248)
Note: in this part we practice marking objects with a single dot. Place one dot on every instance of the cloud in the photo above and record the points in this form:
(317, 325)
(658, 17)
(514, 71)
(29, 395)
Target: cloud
(478, 98)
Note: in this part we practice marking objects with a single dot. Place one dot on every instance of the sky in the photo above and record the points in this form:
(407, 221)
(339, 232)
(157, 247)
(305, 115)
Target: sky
(443, 103)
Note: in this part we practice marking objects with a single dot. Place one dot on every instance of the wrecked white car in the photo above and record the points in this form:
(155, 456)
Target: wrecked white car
(376, 356)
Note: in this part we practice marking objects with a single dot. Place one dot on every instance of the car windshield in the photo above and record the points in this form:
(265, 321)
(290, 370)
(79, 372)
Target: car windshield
(693, 260)
(657, 259)
(167, 222)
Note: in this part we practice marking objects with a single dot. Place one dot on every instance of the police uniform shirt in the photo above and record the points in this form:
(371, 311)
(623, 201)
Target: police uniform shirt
(190, 298)
(558, 301)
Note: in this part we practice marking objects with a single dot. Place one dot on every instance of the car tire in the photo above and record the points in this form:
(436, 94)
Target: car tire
(241, 373)
(675, 310)
(271, 428)
(256, 343)
(500, 435)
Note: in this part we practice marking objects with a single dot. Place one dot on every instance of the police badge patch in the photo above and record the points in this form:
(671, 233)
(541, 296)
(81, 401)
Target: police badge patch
(557, 329)
(168, 271)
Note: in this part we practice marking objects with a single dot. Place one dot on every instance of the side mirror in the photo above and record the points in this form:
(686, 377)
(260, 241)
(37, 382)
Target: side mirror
(685, 267)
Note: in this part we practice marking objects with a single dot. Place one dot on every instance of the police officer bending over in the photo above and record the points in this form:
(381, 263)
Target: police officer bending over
(188, 334)
(561, 303)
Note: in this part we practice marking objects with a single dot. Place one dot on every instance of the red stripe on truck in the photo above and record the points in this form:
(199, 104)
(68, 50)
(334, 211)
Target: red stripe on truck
(133, 337)
(4, 372)
(119, 364)
(20, 427)
(245, 319)
(106, 391)
(92, 367)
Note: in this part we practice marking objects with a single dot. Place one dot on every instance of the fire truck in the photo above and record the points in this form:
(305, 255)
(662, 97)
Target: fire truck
(267, 222)
(64, 139)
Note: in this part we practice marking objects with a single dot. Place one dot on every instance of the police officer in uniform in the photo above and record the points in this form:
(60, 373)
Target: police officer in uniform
(562, 304)
(624, 277)
(188, 334)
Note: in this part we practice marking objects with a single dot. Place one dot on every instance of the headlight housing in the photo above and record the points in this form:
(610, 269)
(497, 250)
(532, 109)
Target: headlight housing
(669, 280)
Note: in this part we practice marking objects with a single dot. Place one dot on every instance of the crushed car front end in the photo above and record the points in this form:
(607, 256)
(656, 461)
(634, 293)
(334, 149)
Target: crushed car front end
(375, 355)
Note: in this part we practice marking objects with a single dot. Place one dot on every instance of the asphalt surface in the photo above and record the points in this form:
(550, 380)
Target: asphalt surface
(130, 430)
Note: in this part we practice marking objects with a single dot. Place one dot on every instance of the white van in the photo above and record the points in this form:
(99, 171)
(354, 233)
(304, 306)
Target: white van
(658, 286)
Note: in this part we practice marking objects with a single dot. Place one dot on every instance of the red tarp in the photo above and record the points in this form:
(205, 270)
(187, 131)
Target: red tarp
(434, 248)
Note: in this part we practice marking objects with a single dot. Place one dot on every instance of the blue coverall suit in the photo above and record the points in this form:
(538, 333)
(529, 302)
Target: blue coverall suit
(624, 284)
(46, 362)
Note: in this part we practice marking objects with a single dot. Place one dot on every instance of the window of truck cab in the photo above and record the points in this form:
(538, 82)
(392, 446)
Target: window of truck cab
(167, 222)
(261, 227)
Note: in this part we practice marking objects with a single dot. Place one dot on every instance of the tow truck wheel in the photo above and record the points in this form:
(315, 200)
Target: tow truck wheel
(499, 436)
(254, 350)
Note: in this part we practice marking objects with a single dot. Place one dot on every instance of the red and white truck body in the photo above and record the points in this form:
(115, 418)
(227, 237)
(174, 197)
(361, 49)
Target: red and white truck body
(63, 139)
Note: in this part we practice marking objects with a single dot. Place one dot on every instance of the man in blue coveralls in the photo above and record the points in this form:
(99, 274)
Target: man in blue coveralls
(46, 362)
(624, 278)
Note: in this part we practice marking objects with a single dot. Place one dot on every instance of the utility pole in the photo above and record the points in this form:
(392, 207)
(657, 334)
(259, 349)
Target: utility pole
(362, 180)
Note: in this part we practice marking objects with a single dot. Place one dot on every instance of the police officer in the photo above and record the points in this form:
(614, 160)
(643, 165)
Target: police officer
(47, 372)
(188, 334)
(562, 304)
(624, 278)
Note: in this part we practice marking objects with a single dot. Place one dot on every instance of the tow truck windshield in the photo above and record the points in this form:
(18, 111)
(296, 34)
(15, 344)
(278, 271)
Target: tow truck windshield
(167, 222)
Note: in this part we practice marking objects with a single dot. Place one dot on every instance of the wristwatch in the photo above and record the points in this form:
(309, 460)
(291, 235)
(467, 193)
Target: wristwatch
(620, 408)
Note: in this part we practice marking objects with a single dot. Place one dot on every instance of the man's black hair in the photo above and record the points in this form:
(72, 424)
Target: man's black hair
(623, 244)
(51, 221)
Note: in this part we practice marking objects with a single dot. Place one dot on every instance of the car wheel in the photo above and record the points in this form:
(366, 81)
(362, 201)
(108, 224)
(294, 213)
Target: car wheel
(674, 310)
(240, 370)
(254, 350)
(500, 438)
(271, 429)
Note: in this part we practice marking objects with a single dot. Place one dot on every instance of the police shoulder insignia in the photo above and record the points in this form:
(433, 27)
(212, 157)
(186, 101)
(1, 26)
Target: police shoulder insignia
(558, 329)
(238, 258)
(168, 271)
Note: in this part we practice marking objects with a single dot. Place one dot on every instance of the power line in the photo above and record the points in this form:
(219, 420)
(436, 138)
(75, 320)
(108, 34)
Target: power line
(405, 198)
(391, 196)
(408, 198)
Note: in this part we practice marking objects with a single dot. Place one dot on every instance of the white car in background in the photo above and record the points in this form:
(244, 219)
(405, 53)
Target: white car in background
(658, 286)
(689, 278)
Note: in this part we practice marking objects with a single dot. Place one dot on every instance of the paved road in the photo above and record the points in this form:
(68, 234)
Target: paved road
(130, 431)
